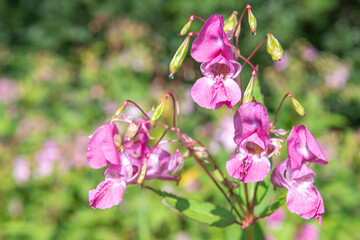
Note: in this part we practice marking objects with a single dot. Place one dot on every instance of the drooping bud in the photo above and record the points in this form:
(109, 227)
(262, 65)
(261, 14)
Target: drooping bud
(230, 25)
(248, 94)
(176, 164)
(179, 56)
(158, 111)
(252, 21)
(299, 109)
(274, 48)
(186, 27)
(132, 130)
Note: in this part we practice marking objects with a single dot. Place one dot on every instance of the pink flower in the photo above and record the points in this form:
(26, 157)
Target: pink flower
(160, 164)
(252, 163)
(211, 41)
(212, 48)
(302, 198)
(308, 232)
(21, 171)
(302, 147)
(275, 220)
(217, 87)
(102, 149)
(110, 192)
(46, 158)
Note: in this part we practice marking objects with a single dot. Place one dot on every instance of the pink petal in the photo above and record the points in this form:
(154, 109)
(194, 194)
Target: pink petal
(306, 201)
(302, 146)
(281, 175)
(250, 118)
(258, 170)
(212, 94)
(235, 165)
(107, 194)
(211, 41)
(94, 153)
(108, 147)
(158, 165)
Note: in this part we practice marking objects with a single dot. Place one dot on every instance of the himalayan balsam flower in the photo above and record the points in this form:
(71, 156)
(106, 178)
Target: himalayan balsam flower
(294, 174)
(124, 166)
(110, 192)
(212, 48)
(302, 198)
(302, 147)
(252, 163)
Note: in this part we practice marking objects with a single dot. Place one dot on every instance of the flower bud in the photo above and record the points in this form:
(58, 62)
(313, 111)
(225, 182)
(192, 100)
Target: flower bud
(176, 164)
(248, 94)
(118, 141)
(158, 111)
(274, 48)
(179, 56)
(252, 21)
(132, 130)
(186, 27)
(299, 109)
(230, 25)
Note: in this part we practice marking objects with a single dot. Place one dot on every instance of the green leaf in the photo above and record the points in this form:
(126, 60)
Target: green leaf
(200, 211)
(274, 205)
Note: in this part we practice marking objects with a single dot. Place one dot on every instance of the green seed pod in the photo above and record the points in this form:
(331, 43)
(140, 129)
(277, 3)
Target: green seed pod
(274, 48)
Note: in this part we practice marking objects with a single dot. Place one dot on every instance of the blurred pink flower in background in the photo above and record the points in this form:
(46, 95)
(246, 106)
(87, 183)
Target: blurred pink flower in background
(338, 77)
(110, 107)
(187, 105)
(308, 232)
(309, 54)
(225, 134)
(46, 157)
(21, 171)
(9, 90)
(283, 63)
(275, 220)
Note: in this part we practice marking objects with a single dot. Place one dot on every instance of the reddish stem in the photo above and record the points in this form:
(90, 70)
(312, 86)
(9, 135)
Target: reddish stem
(278, 110)
(195, 16)
(255, 50)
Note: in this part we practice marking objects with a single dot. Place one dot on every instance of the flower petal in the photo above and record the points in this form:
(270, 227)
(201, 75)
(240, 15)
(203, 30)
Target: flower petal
(94, 153)
(258, 170)
(107, 194)
(211, 41)
(306, 201)
(250, 118)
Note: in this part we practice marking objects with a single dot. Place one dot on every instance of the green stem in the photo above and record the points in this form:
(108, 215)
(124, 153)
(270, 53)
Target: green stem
(250, 232)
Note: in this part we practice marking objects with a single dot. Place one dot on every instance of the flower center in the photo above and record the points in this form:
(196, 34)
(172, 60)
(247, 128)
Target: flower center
(219, 69)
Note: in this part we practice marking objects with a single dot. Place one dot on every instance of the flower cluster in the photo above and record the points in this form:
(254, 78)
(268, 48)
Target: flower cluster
(212, 48)
(131, 160)
(125, 159)
(295, 174)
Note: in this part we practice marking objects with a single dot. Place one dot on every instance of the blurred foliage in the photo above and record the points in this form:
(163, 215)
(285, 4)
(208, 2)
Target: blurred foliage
(66, 66)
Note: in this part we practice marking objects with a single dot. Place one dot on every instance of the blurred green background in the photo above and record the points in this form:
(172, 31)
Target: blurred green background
(66, 66)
